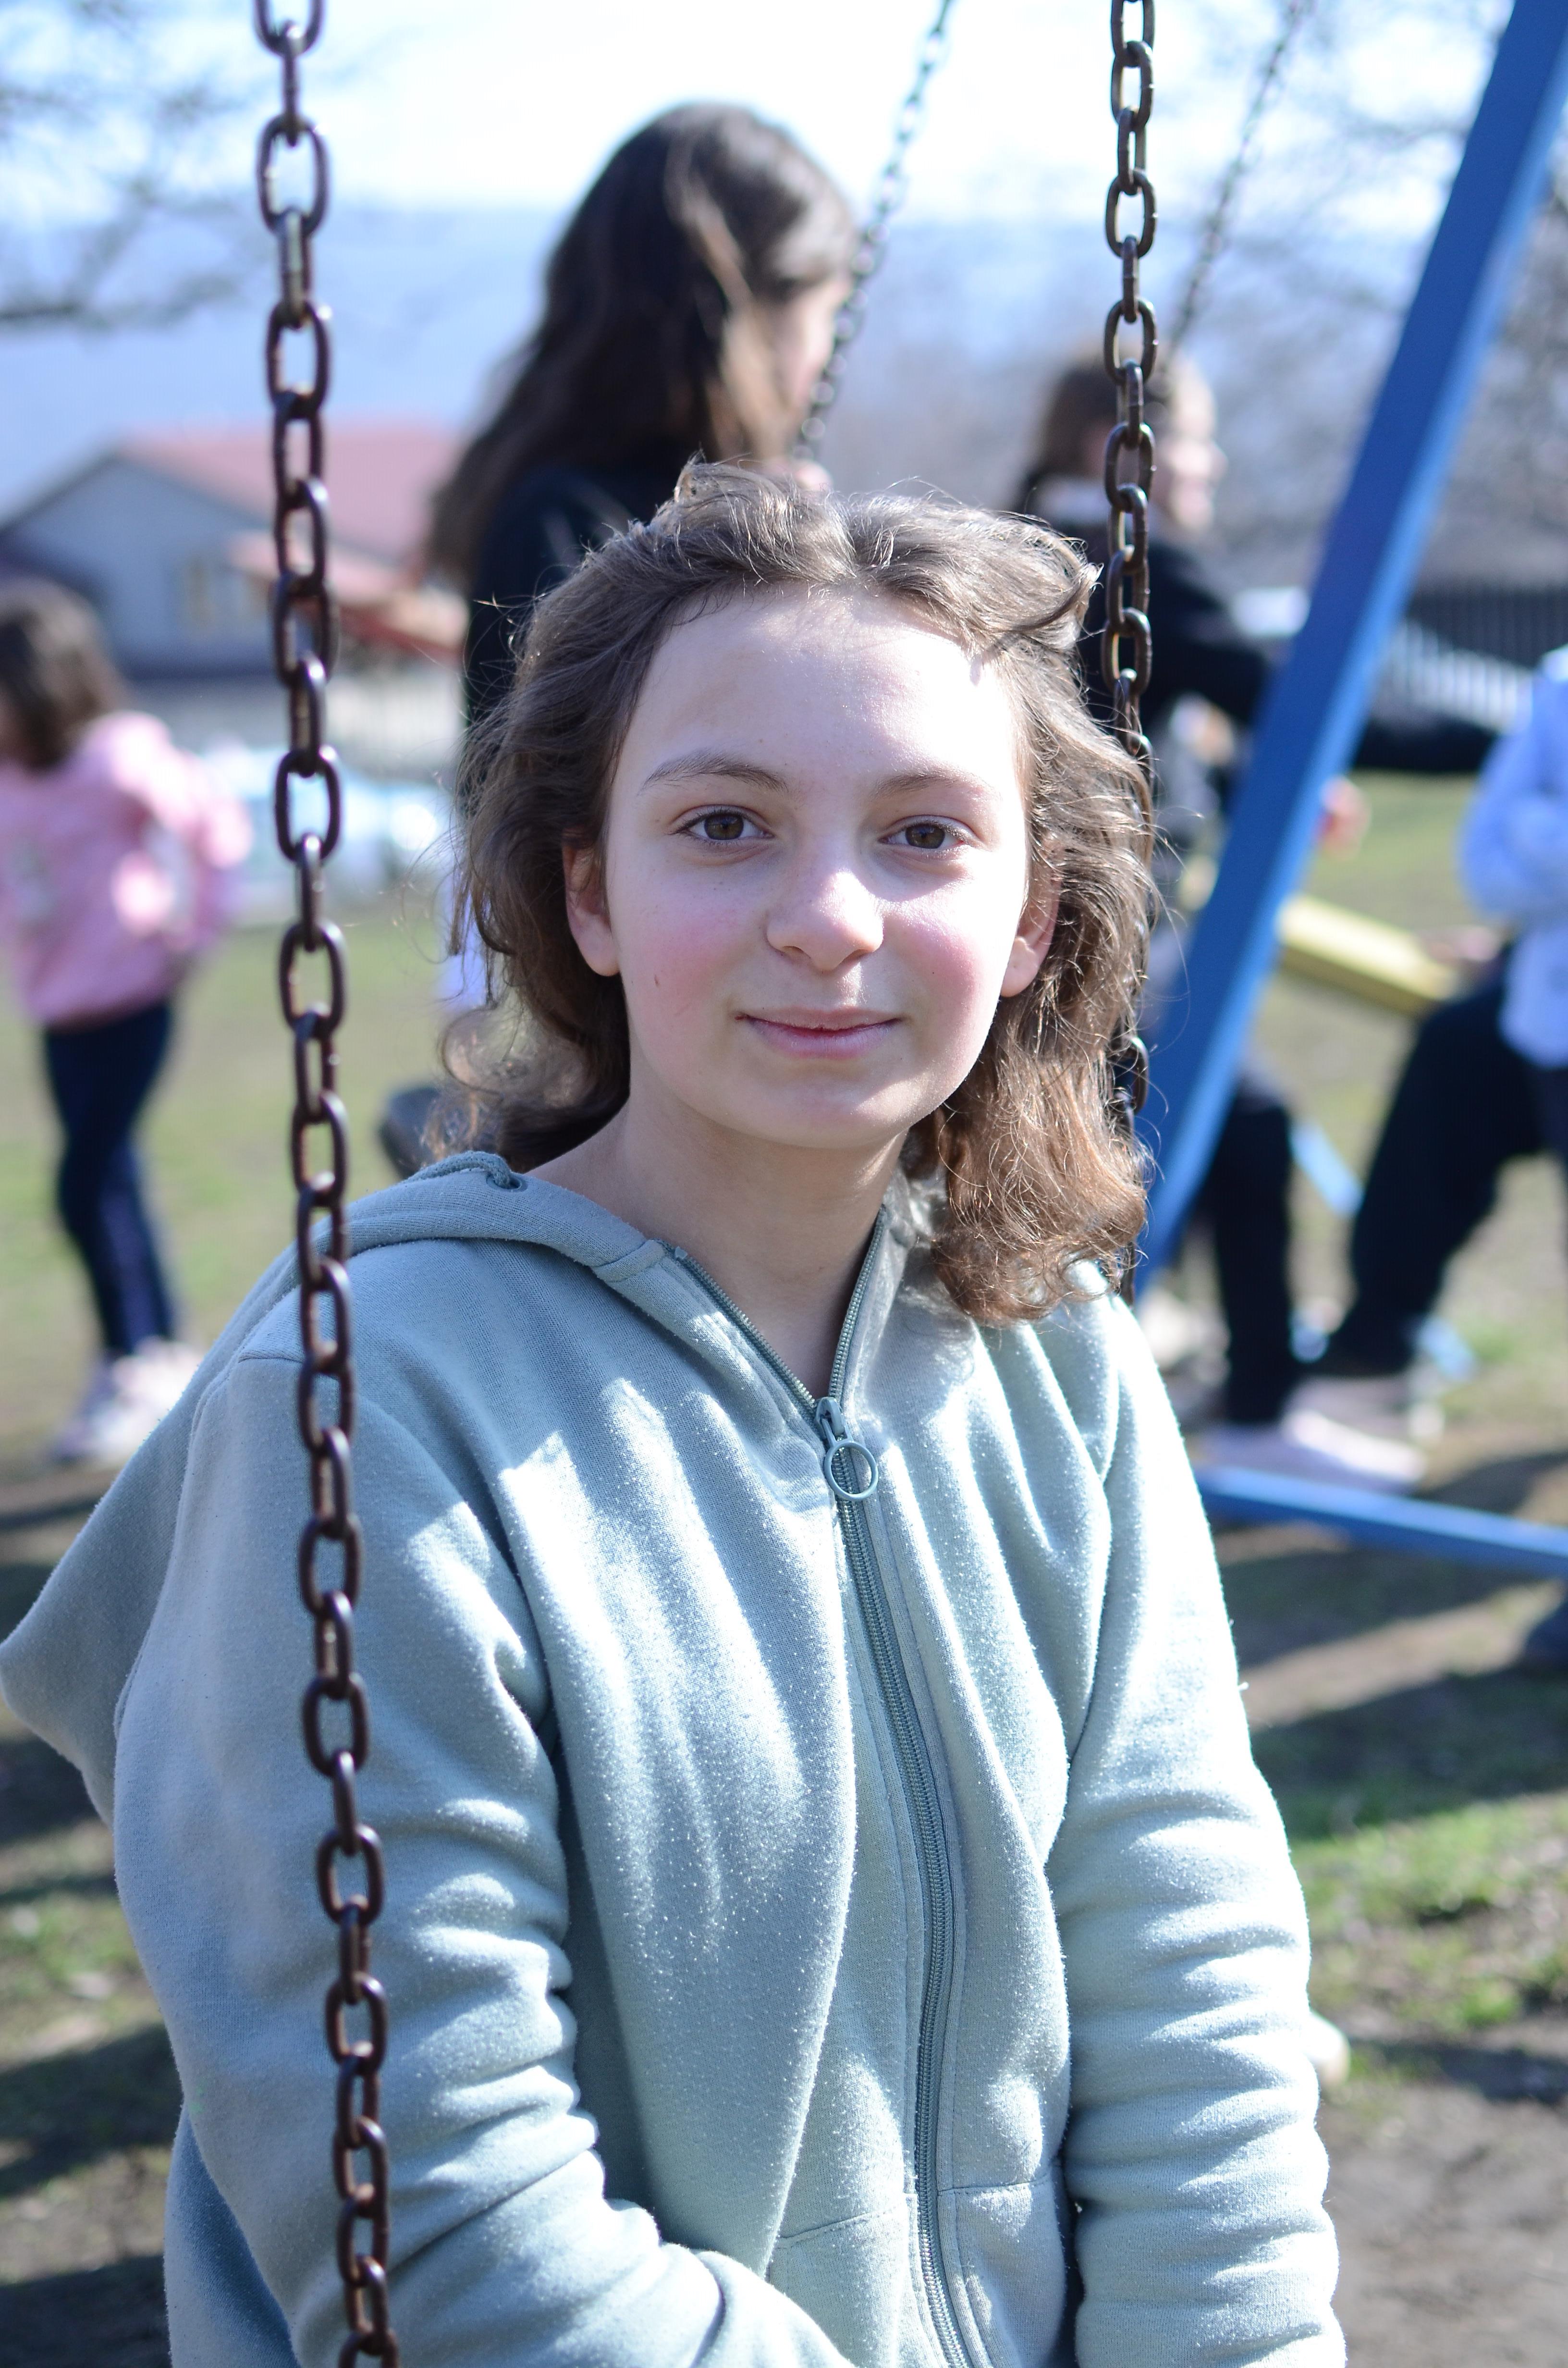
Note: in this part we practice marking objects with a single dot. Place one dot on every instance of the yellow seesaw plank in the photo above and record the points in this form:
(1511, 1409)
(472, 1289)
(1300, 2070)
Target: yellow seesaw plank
(1369, 960)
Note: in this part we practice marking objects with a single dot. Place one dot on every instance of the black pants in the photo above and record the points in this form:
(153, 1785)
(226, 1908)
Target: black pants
(101, 1078)
(1552, 1103)
(1466, 1105)
(1246, 1199)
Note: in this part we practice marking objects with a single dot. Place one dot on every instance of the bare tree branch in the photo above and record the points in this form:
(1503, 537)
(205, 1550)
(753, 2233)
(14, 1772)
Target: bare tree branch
(112, 161)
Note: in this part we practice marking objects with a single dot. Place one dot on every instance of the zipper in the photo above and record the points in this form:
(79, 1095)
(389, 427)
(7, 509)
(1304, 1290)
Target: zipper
(852, 1475)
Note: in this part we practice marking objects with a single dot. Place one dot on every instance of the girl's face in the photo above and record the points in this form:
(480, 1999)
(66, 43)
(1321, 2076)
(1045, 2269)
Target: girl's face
(814, 882)
(1188, 464)
(799, 334)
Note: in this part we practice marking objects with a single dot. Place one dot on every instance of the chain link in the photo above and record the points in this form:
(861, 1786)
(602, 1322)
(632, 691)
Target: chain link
(891, 190)
(1126, 648)
(304, 637)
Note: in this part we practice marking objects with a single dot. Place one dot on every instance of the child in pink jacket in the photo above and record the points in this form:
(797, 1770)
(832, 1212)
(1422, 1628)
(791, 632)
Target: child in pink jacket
(116, 856)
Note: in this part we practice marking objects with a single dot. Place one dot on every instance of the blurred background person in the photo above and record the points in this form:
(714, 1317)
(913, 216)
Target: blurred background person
(1486, 1082)
(688, 312)
(115, 854)
(1200, 652)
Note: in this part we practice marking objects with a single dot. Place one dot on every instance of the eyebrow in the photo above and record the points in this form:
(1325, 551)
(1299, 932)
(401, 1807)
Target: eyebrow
(708, 765)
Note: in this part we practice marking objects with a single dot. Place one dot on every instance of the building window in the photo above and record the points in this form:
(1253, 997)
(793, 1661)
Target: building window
(213, 598)
(198, 595)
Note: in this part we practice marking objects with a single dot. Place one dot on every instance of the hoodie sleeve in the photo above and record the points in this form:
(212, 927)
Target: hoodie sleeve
(505, 2247)
(1190, 2151)
(1514, 845)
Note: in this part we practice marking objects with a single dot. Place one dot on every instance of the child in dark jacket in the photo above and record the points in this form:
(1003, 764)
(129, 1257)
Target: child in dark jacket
(1273, 1417)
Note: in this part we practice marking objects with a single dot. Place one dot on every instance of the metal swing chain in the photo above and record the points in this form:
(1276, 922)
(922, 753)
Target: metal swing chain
(1211, 239)
(1125, 669)
(891, 190)
(305, 634)
(1126, 648)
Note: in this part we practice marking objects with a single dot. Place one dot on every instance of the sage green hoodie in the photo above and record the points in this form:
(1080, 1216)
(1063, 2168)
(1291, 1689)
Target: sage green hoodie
(816, 1930)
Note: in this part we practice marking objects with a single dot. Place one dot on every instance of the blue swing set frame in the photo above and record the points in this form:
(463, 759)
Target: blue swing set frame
(1312, 717)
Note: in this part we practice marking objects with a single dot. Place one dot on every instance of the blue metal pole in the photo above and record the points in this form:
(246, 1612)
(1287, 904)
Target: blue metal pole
(1447, 1532)
(1313, 712)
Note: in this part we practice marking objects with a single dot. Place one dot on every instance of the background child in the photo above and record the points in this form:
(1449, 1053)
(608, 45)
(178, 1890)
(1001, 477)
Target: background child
(1486, 1080)
(114, 848)
(688, 309)
(1201, 652)
(832, 1913)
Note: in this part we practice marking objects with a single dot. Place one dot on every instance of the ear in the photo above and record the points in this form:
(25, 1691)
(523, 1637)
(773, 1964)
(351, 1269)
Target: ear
(587, 912)
(1033, 943)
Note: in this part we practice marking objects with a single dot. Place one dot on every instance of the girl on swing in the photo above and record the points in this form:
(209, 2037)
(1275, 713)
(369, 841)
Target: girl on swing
(833, 1915)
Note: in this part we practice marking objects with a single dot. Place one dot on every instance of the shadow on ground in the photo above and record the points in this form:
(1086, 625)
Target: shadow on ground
(66, 2110)
(1504, 1485)
(1289, 1589)
(1285, 1596)
(1503, 2075)
(40, 1792)
(1416, 1753)
(87, 2317)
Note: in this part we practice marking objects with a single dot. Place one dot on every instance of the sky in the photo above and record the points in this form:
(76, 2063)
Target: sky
(502, 105)
(517, 101)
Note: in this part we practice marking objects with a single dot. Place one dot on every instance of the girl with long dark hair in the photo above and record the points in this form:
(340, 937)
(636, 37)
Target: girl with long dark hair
(688, 310)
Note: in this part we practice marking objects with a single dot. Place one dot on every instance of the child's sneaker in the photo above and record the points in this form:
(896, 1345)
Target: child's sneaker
(162, 1368)
(1403, 1407)
(72, 1443)
(1328, 2051)
(125, 1401)
(1307, 1445)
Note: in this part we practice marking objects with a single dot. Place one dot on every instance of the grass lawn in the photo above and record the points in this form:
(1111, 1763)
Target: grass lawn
(1424, 1784)
(215, 1150)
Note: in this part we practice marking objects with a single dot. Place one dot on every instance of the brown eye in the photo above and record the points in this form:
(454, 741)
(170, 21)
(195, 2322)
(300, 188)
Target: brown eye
(930, 837)
(724, 826)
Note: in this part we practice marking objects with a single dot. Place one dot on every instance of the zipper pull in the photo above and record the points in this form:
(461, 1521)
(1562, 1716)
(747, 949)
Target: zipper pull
(838, 1443)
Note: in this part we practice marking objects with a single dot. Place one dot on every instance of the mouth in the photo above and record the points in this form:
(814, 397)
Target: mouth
(821, 1035)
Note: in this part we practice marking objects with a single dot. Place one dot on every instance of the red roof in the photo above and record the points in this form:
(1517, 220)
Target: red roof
(381, 474)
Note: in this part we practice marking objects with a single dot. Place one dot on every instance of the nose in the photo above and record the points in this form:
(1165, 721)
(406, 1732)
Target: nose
(825, 914)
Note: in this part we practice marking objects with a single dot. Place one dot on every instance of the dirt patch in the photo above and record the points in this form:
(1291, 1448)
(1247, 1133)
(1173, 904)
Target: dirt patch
(1420, 1776)
(1417, 1772)
(1450, 2208)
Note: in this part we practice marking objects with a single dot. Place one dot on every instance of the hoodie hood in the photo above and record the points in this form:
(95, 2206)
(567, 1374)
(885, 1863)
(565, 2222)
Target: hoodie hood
(70, 1697)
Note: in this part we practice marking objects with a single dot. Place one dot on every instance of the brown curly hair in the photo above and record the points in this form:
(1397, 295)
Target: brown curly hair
(1040, 1168)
